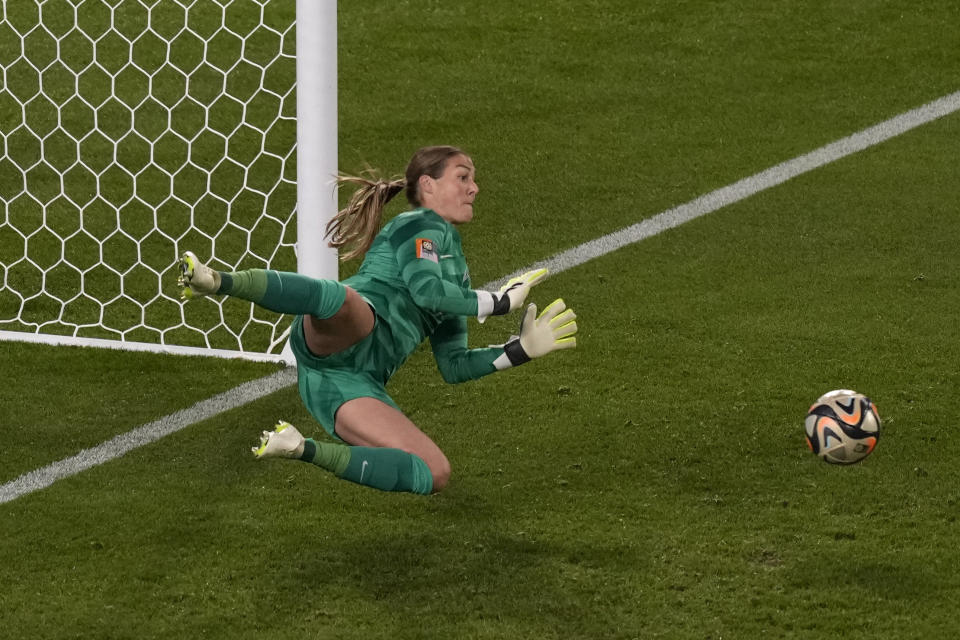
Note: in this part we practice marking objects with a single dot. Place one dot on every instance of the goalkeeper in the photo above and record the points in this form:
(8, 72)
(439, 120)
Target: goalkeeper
(349, 337)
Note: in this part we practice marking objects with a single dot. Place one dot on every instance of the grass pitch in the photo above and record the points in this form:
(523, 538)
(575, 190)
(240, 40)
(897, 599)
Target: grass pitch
(654, 482)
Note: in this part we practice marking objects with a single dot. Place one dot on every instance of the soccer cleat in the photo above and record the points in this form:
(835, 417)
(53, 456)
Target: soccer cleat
(196, 278)
(283, 442)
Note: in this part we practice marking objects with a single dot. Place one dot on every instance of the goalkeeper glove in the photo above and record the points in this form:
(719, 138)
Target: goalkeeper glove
(539, 335)
(510, 296)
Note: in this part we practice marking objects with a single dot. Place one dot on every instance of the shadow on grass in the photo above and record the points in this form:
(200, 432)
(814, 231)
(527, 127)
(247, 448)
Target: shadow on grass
(463, 571)
(885, 581)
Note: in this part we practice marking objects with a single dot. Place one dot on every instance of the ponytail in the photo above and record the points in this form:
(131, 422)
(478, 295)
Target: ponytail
(356, 225)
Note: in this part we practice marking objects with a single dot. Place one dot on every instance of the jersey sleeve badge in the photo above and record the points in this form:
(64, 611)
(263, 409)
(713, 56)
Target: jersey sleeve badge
(426, 250)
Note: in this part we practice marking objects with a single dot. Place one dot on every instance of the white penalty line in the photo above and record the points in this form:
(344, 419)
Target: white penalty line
(747, 187)
(146, 434)
(256, 389)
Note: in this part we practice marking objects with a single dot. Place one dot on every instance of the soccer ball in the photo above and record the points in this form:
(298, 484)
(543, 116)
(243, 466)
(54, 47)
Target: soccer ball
(842, 427)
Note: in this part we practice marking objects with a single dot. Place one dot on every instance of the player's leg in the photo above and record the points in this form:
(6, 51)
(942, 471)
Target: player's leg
(384, 449)
(351, 323)
(370, 425)
(335, 316)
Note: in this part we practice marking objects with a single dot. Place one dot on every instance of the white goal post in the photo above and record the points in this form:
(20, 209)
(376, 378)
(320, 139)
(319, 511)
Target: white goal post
(133, 130)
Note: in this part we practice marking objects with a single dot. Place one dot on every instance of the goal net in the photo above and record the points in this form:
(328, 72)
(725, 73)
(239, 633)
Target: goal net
(131, 131)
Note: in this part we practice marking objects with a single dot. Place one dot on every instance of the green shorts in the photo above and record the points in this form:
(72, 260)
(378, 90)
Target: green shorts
(326, 382)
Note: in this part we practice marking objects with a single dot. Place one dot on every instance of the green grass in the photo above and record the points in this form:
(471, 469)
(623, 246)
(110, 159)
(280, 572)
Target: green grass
(76, 398)
(654, 482)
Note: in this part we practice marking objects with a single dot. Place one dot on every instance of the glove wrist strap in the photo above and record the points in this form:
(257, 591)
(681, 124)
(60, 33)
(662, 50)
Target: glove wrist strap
(501, 305)
(515, 353)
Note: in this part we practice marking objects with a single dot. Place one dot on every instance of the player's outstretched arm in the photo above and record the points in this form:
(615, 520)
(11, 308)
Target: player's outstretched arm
(511, 295)
(540, 334)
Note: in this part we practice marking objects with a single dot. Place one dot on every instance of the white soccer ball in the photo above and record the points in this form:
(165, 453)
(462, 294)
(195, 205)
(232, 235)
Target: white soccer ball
(842, 427)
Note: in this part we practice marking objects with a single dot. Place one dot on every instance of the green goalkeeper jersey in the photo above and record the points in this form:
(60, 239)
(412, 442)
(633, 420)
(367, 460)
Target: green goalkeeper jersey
(416, 277)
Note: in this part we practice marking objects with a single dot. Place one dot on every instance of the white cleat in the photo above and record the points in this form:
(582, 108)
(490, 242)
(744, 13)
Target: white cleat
(196, 278)
(283, 442)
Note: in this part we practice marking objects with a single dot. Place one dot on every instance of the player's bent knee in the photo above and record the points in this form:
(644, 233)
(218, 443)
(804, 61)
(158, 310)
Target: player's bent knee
(440, 470)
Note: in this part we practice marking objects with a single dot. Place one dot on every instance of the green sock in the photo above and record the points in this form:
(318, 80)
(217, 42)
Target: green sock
(380, 468)
(284, 291)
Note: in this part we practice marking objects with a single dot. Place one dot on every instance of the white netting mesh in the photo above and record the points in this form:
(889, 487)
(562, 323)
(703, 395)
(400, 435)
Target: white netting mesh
(133, 130)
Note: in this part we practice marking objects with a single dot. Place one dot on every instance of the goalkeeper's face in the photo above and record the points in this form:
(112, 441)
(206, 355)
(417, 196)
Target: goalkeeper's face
(452, 194)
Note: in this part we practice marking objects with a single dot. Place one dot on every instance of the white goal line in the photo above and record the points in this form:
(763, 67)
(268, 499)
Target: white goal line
(120, 345)
(256, 389)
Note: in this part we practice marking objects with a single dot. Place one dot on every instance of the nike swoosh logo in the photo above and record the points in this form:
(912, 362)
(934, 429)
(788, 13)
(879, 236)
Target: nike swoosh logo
(363, 469)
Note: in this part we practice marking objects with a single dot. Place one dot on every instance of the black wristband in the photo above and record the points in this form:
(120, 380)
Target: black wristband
(501, 305)
(515, 353)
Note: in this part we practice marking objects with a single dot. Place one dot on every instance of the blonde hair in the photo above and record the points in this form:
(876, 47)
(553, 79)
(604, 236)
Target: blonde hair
(356, 225)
